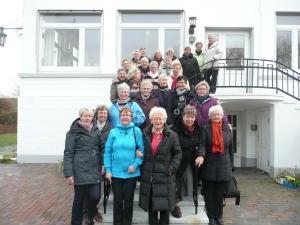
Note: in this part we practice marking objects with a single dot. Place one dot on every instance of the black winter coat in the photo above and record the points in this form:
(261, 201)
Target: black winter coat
(83, 155)
(190, 66)
(163, 97)
(189, 145)
(216, 167)
(155, 171)
(174, 109)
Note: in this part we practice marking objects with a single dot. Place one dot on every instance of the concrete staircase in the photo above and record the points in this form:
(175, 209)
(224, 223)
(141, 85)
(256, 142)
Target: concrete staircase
(141, 217)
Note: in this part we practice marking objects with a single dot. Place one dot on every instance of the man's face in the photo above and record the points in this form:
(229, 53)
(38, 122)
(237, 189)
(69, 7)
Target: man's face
(187, 51)
(211, 39)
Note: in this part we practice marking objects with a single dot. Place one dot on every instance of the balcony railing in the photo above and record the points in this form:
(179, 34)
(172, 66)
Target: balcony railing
(256, 73)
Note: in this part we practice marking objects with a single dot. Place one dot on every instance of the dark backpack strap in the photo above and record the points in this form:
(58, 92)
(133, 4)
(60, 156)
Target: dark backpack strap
(135, 137)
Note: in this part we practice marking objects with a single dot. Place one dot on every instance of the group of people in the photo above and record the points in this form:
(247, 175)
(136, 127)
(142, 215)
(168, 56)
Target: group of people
(155, 128)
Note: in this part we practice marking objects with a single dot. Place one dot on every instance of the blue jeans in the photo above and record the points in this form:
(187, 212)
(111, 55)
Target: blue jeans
(93, 195)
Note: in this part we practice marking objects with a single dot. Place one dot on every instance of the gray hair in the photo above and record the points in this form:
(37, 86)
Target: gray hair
(121, 69)
(215, 108)
(145, 59)
(212, 35)
(123, 86)
(146, 82)
(102, 108)
(189, 110)
(125, 59)
(132, 72)
(167, 58)
(160, 110)
(86, 110)
(170, 50)
(163, 75)
(153, 62)
(203, 83)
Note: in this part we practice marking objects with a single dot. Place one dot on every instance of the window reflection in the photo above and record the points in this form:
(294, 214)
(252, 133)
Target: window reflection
(284, 47)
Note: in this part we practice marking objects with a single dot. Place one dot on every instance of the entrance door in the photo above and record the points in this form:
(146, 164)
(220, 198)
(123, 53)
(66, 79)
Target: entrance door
(234, 119)
(263, 139)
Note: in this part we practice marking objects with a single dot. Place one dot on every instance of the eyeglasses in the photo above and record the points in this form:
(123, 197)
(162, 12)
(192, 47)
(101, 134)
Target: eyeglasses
(125, 115)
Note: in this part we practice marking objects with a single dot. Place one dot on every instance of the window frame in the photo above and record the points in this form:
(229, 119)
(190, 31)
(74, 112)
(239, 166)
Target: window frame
(81, 45)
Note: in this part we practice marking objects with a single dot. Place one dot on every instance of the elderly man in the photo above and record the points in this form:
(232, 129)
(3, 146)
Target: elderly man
(121, 78)
(135, 61)
(144, 54)
(211, 55)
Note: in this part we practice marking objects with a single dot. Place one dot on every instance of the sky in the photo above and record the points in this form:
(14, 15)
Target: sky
(11, 16)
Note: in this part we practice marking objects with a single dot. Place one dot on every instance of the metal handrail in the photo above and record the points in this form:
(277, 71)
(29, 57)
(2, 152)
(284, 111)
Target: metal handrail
(251, 73)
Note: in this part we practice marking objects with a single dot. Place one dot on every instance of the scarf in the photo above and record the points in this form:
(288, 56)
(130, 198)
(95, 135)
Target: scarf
(87, 126)
(210, 44)
(158, 60)
(145, 98)
(198, 53)
(164, 88)
(201, 99)
(189, 130)
(100, 125)
(180, 92)
(174, 83)
(153, 75)
(218, 144)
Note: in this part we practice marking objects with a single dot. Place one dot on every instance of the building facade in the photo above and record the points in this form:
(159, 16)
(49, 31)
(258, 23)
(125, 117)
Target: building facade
(72, 50)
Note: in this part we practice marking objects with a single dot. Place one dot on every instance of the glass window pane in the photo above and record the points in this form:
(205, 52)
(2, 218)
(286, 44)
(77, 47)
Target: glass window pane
(298, 49)
(235, 49)
(288, 20)
(71, 18)
(284, 47)
(172, 40)
(150, 17)
(92, 47)
(60, 47)
(137, 38)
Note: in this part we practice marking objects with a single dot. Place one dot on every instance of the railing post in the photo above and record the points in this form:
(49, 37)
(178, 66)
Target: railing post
(247, 77)
(276, 78)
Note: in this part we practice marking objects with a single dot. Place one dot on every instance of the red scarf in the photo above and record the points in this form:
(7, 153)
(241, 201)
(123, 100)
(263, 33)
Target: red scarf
(218, 144)
(156, 139)
(174, 83)
(189, 130)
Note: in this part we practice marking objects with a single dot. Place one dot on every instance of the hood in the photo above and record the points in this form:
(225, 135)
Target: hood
(76, 128)
(187, 56)
(120, 126)
(116, 80)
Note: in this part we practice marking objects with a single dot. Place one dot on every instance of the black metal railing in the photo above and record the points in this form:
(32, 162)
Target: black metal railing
(255, 73)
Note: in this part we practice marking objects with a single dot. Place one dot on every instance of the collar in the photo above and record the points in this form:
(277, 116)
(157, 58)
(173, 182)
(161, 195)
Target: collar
(160, 132)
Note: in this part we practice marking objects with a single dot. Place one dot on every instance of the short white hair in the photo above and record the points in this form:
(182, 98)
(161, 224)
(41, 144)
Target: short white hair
(160, 110)
(145, 59)
(163, 75)
(153, 63)
(146, 82)
(123, 86)
(86, 110)
(215, 108)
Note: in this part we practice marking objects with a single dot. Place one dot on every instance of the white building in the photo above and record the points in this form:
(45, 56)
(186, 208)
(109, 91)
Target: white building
(72, 50)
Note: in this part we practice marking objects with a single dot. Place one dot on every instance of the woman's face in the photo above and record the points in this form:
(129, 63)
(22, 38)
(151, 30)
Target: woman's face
(144, 64)
(168, 63)
(216, 116)
(126, 65)
(153, 68)
(137, 76)
(146, 90)
(201, 91)
(123, 94)
(158, 121)
(181, 85)
(188, 119)
(176, 70)
(122, 75)
(158, 55)
(125, 118)
(171, 54)
(102, 116)
(137, 55)
(163, 82)
(86, 117)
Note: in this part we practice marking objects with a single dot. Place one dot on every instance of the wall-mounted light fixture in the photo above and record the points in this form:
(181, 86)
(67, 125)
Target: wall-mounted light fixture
(253, 127)
(192, 21)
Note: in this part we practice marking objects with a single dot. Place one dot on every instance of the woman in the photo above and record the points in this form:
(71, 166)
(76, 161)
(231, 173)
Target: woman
(121, 78)
(170, 53)
(146, 100)
(157, 57)
(126, 64)
(176, 71)
(134, 81)
(122, 165)
(203, 102)
(124, 101)
(83, 159)
(144, 67)
(216, 154)
(161, 160)
(153, 74)
(163, 92)
(166, 66)
(189, 133)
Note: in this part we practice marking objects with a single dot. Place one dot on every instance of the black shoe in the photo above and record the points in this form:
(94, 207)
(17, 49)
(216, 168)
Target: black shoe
(211, 222)
(89, 221)
(219, 221)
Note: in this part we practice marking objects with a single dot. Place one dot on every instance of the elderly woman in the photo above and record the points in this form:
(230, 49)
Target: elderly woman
(170, 53)
(83, 158)
(126, 64)
(134, 81)
(166, 66)
(189, 133)
(124, 101)
(163, 92)
(161, 159)
(216, 154)
(203, 102)
(176, 71)
(121, 78)
(102, 114)
(146, 100)
(153, 74)
(122, 166)
(144, 67)
(158, 57)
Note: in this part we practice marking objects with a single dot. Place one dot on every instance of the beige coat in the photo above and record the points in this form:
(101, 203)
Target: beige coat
(213, 52)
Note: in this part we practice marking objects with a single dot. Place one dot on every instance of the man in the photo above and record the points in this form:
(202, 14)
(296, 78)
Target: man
(199, 55)
(211, 56)
(135, 61)
(144, 54)
(190, 67)
(121, 78)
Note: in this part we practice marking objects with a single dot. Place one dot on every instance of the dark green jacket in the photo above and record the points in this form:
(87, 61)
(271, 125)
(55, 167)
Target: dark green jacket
(83, 155)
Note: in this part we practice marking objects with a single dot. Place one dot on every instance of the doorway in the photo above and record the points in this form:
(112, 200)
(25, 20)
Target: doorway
(234, 120)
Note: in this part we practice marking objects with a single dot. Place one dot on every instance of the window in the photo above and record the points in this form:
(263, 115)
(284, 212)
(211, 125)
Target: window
(150, 30)
(70, 41)
(288, 39)
(235, 48)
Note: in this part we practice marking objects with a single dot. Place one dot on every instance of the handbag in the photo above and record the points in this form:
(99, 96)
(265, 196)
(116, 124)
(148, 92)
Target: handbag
(232, 191)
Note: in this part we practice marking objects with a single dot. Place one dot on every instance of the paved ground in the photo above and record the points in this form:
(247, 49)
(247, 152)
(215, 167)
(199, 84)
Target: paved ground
(36, 194)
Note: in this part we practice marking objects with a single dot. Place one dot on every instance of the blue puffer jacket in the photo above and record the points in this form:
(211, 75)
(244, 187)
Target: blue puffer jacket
(138, 115)
(120, 151)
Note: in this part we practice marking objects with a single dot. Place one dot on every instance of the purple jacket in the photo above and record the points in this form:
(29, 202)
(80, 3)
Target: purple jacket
(202, 110)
